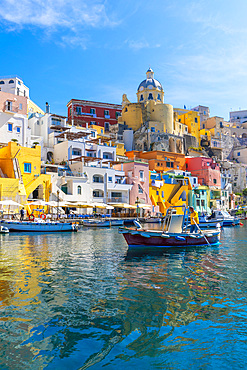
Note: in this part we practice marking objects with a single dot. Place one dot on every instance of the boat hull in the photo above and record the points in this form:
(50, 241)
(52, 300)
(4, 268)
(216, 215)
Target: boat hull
(26, 226)
(149, 239)
(96, 223)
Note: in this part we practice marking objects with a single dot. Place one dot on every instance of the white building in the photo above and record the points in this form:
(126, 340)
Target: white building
(239, 116)
(14, 85)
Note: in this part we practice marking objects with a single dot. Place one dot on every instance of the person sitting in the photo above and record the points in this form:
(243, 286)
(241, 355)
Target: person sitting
(194, 220)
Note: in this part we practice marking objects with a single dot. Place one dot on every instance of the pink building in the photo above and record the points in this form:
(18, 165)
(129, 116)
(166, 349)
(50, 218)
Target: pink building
(10, 103)
(137, 174)
(207, 171)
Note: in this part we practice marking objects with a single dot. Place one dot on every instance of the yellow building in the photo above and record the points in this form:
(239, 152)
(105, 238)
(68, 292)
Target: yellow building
(167, 189)
(33, 108)
(149, 109)
(20, 175)
(191, 119)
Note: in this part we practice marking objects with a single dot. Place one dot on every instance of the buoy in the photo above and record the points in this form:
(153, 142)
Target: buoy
(31, 217)
(43, 216)
(241, 224)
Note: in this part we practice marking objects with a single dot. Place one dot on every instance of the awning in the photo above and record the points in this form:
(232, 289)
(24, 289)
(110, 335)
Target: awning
(123, 205)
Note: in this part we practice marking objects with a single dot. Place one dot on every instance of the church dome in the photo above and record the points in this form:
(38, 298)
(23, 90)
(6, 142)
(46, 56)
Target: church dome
(150, 82)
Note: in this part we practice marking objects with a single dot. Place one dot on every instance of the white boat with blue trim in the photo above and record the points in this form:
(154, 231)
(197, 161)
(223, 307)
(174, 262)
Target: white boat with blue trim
(38, 226)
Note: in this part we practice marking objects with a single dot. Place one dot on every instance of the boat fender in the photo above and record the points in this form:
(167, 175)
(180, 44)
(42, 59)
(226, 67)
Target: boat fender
(165, 236)
(145, 235)
(43, 216)
(31, 217)
(179, 238)
(241, 224)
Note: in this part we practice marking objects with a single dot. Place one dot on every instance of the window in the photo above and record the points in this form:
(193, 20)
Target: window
(126, 109)
(158, 163)
(11, 81)
(78, 110)
(20, 106)
(168, 164)
(203, 203)
(142, 175)
(76, 151)
(18, 130)
(195, 119)
(109, 178)
(106, 126)
(157, 192)
(24, 93)
(9, 105)
(152, 129)
(98, 178)
(162, 194)
(18, 91)
(106, 112)
(79, 189)
(238, 154)
(92, 133)
(27, 167)
(140, 190)
(158, 97)
(215, 181)
(150, 97)
(141, 97)
(118, 114)
(2, 82)
(92, 110)
(198, 203)
(10, 127)
(172, 164)
(19, 82)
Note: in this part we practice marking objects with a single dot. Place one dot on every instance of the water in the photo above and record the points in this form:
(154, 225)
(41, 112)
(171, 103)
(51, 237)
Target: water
(76, 301)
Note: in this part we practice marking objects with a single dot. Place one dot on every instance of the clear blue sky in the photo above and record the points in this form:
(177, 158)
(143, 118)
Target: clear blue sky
(98, 50)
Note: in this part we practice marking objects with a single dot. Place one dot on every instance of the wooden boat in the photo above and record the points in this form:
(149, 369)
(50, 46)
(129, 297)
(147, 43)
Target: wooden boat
(40, 226)
(173, 234)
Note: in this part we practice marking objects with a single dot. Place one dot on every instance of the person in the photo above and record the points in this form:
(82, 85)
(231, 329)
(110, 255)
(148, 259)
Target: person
(194, 220)
(22, 214)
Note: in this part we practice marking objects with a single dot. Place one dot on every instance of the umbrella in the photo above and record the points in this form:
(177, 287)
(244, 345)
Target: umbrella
(38, 202)
(10, 202)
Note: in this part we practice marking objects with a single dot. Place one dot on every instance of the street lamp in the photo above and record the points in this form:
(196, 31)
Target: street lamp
(57, 202)
(137, 202)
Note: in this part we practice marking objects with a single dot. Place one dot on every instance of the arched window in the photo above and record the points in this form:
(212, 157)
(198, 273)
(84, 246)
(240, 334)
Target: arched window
(150, 97)
(158, 97)
(141, 97)
(2, 82)
(98, 178)
(126, 110)
(79, 189)
(11, 81)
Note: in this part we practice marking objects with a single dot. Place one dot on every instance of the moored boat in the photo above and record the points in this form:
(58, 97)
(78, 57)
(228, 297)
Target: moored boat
(96, 223)
(173, 234)
(4, 230)
(40, 226)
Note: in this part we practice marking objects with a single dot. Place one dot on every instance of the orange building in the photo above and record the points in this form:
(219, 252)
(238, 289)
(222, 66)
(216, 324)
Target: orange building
(159, 161)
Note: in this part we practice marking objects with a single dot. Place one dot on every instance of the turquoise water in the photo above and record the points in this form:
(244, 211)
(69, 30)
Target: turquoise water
(77, 301)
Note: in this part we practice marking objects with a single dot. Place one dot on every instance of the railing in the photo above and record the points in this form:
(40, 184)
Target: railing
(71, 173)
(122, 199)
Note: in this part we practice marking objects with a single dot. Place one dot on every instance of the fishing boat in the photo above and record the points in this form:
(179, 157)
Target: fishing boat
(38, 226)
(172, 235)
(116, 222)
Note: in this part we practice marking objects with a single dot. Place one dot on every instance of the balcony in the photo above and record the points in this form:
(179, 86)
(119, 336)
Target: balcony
(121, 199)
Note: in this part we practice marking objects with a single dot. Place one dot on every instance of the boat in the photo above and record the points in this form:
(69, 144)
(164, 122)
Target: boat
(173, 235)
(206, 222)
(227, 219)
(102, 223)
(96, 223)
(4, 230)
(152, 220)
(38, 226)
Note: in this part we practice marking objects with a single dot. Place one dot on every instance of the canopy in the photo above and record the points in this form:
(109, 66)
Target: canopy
(10, 202)
(38, 202)
(123, 205)
(144, 206)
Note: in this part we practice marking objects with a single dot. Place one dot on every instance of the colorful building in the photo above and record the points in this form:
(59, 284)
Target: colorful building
(206, 169)
(82, 112)
(20, 171)
(159, 160)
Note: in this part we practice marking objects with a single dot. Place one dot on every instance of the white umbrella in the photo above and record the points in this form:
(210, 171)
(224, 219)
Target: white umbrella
(38, 202)
(10, 202)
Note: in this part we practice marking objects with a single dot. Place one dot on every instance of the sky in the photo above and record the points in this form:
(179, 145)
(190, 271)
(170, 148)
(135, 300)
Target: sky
(101, 49)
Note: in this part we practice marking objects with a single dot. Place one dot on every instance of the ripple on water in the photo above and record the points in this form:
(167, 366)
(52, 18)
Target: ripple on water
(78, 301)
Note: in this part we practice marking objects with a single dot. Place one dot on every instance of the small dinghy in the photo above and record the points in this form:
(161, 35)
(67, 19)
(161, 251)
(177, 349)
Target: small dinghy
(4, 230)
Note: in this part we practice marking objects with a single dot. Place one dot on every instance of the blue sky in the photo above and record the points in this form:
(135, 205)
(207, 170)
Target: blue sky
(98, 50)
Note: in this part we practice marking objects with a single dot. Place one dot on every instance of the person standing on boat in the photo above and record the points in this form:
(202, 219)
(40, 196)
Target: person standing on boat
(22, 212)
(194, 220)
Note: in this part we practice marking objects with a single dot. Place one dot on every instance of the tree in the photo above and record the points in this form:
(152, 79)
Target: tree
(245, 192)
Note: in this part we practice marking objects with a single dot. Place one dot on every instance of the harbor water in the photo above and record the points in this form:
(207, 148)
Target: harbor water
(79, 301)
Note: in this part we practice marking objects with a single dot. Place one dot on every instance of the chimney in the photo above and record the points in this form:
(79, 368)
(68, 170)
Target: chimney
(47, 108)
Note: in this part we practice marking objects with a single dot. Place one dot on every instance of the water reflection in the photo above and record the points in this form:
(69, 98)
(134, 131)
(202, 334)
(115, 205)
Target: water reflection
(74, 301)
